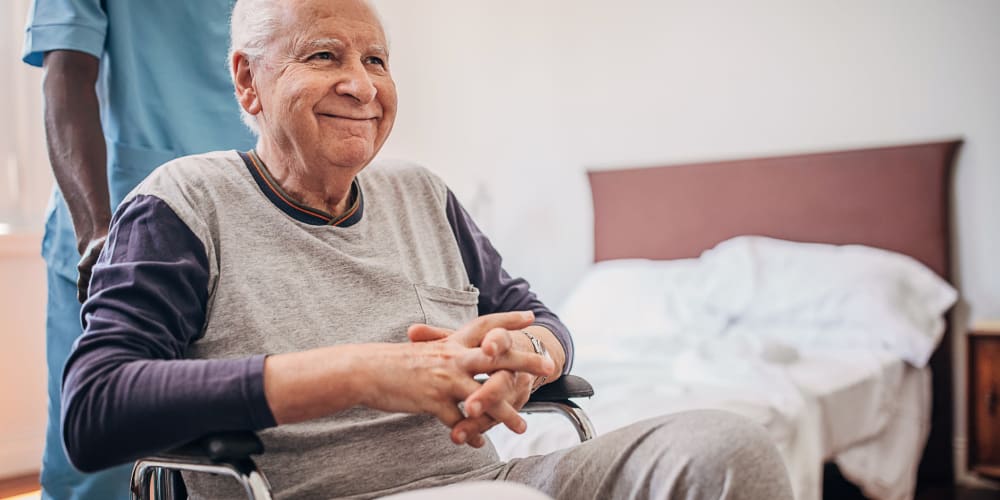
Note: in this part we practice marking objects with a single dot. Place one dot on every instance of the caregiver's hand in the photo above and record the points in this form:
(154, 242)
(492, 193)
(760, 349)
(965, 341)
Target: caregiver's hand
(86, 265)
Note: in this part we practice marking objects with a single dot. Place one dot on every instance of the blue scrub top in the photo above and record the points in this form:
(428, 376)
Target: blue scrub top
(164, 88)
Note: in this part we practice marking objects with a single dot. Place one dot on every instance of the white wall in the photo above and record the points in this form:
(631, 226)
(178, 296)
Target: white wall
(519, 98)
(25, 181)
(22, 358)
(25, 177)
(524, 96)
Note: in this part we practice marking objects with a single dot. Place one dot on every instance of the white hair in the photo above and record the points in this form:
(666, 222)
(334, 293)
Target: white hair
(251, 26)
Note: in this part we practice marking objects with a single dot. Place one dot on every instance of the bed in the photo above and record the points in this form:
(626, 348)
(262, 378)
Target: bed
(854, 407)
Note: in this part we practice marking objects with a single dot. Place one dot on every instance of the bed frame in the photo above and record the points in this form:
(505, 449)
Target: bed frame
(897, 198)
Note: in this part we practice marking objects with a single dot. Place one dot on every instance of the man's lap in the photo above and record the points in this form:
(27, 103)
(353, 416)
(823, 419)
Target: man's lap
(697, 454)
(478, 490)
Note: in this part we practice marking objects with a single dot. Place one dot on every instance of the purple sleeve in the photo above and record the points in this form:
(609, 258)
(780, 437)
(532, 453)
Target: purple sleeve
(498, 291)
(127, 391)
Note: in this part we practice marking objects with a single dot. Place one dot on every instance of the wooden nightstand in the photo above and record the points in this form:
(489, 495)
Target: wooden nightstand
(984, 399)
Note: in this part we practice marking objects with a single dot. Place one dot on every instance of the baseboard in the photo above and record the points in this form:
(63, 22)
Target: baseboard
(21, 485)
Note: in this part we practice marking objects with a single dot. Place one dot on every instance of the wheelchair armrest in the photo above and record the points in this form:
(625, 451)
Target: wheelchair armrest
(567, 387)
(222, 453)
(220, 447)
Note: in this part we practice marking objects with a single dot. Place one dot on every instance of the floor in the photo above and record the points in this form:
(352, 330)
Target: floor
(835, 487)
(20, 488)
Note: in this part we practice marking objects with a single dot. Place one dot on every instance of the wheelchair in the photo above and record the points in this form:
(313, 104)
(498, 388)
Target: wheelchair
(229, 453)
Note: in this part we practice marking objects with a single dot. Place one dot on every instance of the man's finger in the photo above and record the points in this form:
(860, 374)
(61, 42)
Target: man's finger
(449, 415)
(472, 333)
(498, 388)
(476, 441)
(426, 333)
(471, 430)
(476, 361)
(462, 389)
(446, 407)
(497, 342)
(494, 400)
(504, 413)
(523, 382)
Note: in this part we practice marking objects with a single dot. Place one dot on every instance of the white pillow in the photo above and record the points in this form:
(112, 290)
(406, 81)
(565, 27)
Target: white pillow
(801, 294)
(813, 295)
(618, 306)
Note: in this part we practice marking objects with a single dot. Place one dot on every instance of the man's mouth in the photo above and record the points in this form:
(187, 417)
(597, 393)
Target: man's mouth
(347, 117)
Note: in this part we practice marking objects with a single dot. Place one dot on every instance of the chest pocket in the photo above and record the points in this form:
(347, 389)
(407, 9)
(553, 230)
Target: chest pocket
(447, 307)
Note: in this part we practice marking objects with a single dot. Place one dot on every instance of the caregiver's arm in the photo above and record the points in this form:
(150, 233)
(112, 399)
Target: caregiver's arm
(77, 150)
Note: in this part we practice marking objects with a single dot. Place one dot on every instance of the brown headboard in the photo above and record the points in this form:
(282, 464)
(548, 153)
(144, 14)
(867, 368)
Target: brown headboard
(897, 198)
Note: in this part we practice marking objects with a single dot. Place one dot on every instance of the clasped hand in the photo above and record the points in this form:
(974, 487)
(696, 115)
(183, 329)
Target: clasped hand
(497, 348)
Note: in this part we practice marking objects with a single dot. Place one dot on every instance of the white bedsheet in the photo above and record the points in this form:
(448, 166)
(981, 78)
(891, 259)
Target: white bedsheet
(868, 411)
(807, 339)
(875, 418)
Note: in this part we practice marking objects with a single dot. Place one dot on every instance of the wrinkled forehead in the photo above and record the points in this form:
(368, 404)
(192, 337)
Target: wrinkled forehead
(351, 22)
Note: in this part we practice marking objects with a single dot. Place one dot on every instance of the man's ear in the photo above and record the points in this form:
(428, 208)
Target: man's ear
(246, 94)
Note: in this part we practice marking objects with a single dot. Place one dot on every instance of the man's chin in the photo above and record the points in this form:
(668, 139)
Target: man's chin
(353, 157)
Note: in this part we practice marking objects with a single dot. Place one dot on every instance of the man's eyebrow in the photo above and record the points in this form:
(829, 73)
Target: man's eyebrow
(320, 44)
(335, 43)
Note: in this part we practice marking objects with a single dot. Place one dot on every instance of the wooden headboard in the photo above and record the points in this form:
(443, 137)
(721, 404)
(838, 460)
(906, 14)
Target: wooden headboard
(897, 198)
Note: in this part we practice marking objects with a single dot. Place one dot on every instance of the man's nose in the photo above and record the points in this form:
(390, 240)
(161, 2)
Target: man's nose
(357, 83)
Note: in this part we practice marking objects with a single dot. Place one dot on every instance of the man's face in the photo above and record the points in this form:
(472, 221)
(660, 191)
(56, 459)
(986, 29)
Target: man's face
(324, 85)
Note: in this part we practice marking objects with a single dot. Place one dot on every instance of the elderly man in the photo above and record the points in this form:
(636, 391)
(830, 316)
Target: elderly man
(342, 309)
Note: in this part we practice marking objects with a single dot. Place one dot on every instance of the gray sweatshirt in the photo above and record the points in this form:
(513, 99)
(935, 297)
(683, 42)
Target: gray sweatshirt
(210, 266)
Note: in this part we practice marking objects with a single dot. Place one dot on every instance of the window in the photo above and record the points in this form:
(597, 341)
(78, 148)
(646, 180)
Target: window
(25, 175)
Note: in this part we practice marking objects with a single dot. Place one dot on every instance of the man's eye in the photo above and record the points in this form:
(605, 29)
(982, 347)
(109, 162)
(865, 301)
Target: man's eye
(324, 56)
(375, 60)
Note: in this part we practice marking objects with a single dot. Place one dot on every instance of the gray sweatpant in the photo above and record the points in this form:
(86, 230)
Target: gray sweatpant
(703, 454)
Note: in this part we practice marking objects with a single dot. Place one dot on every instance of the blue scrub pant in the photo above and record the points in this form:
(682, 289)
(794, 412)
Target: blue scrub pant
(59, 479)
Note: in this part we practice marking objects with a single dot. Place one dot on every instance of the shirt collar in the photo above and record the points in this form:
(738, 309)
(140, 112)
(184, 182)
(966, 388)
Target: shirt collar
(298, 211)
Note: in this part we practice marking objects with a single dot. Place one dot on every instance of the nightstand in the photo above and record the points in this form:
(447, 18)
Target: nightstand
(984, 399)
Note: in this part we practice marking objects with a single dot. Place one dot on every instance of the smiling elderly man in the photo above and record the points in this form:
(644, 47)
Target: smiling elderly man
(342, 309)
